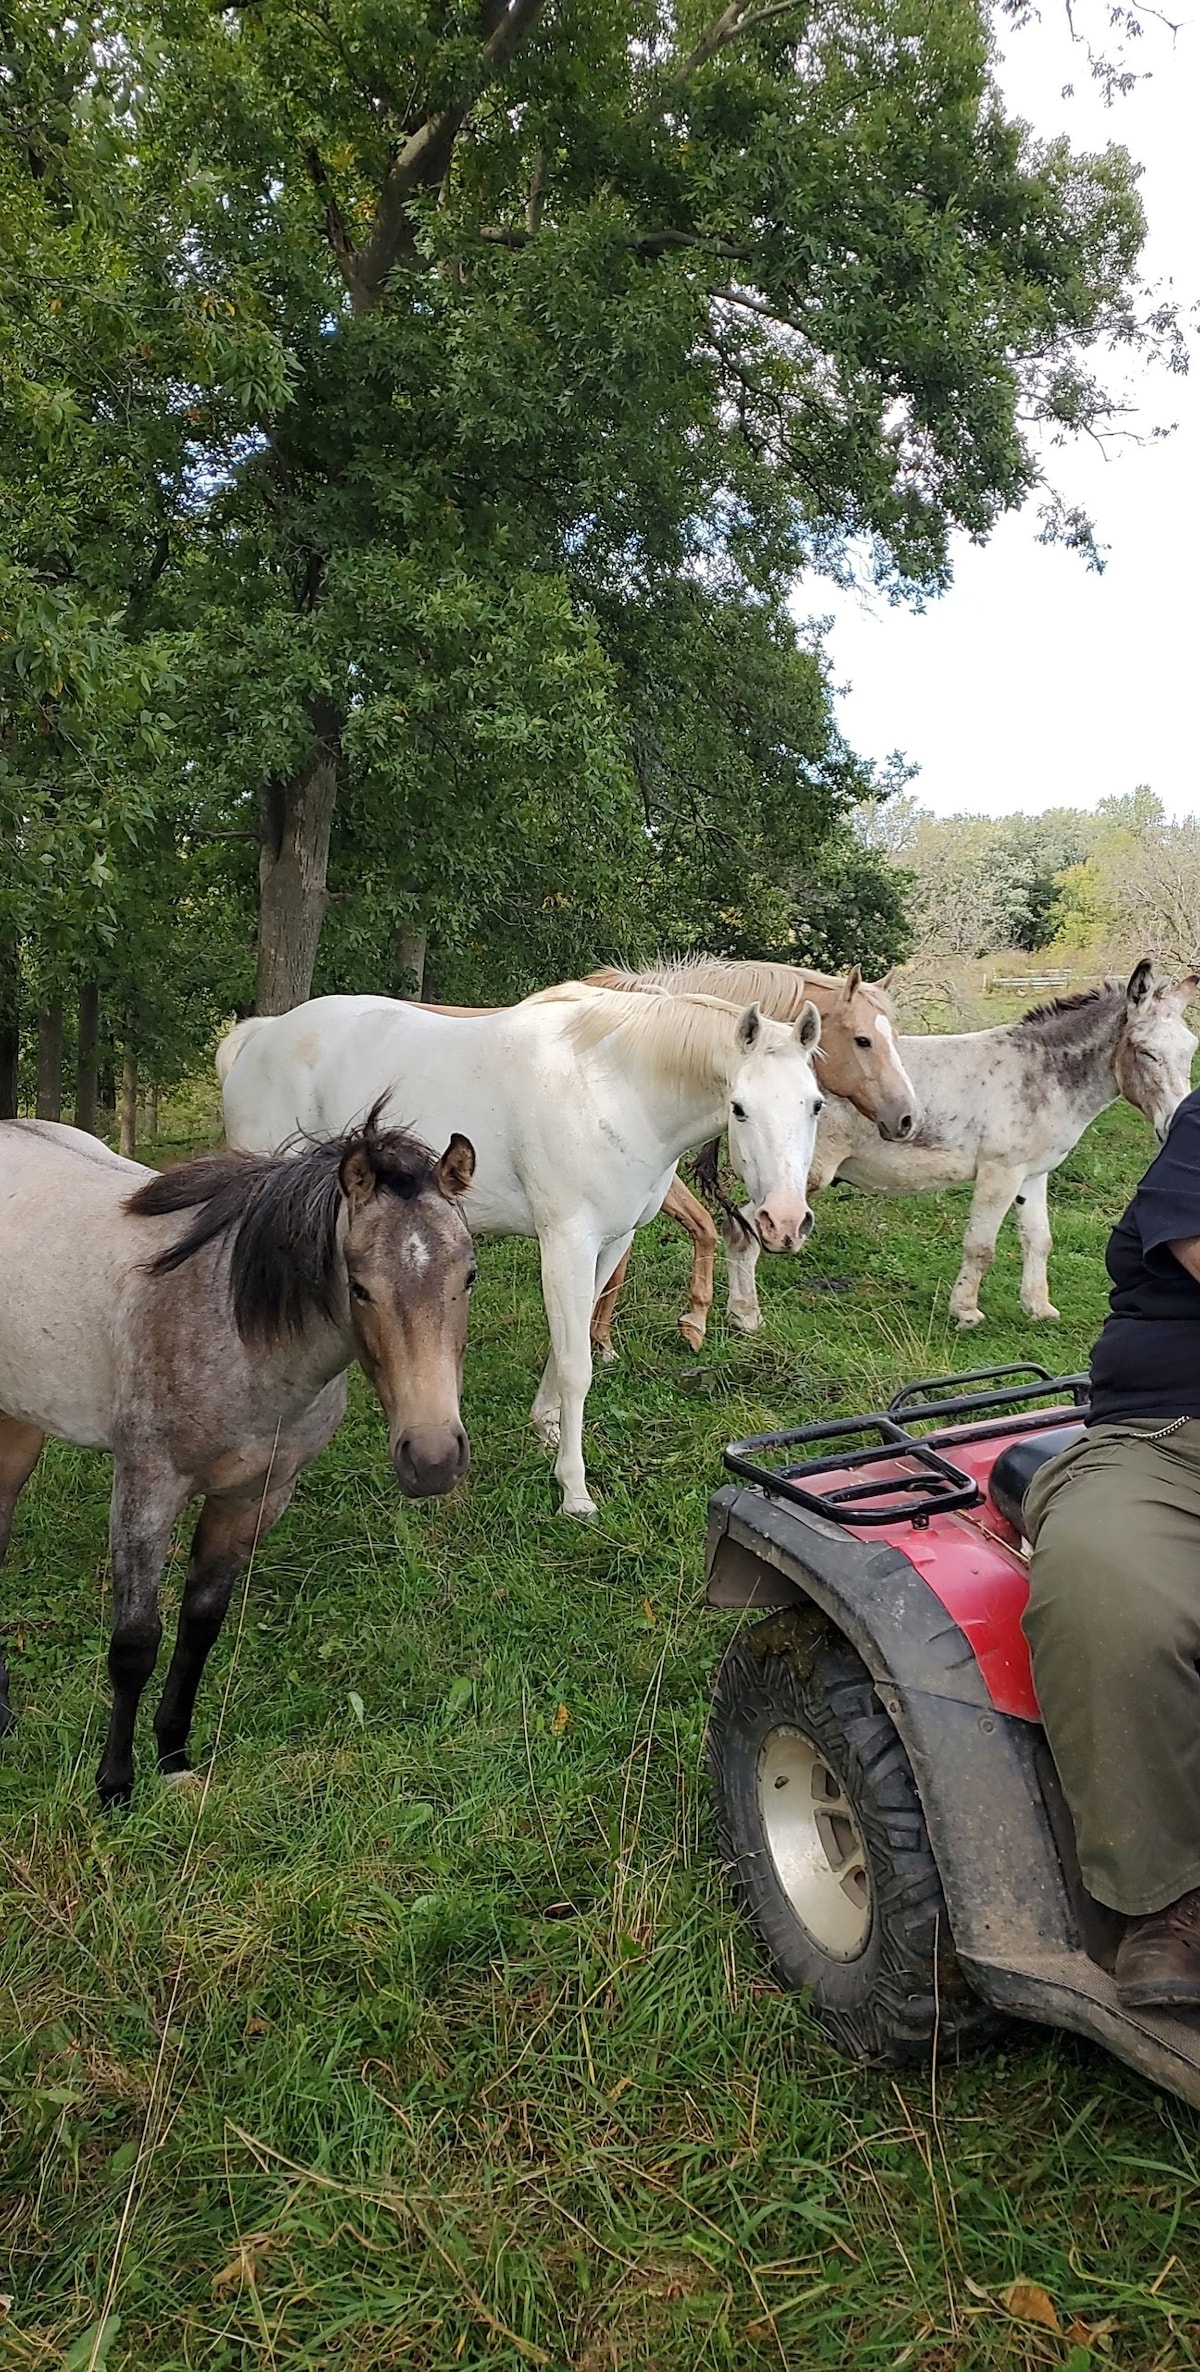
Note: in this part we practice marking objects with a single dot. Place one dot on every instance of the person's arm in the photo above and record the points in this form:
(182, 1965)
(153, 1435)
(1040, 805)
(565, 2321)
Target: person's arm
(1166, 1208)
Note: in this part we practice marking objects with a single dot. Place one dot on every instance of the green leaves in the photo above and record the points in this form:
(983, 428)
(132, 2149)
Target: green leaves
(491, 402)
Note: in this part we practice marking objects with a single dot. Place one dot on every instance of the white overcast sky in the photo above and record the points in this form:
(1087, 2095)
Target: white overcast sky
(1034, 682)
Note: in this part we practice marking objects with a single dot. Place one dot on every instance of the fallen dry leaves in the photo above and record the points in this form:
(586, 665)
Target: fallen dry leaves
(1027, 2303)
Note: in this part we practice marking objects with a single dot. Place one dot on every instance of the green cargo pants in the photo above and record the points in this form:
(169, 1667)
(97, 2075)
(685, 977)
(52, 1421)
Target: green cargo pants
(1114, 1625)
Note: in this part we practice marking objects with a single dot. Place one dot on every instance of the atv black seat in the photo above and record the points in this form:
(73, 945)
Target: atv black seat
(1016, 1466)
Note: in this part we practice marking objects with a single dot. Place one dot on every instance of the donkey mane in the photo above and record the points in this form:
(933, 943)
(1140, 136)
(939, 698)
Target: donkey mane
(279, 1213)
(782, 990)
(1041, 1020)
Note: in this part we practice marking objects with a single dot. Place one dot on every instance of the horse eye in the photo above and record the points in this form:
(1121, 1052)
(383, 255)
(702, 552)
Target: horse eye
(862, 1042)
(359, 1292)
(471, 1276)
(738, 1111)
(818, 1107)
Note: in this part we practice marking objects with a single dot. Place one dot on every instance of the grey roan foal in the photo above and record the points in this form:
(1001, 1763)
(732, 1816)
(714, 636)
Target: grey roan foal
(198, 1325)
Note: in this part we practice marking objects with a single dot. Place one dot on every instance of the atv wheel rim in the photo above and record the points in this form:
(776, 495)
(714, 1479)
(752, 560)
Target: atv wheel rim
(815, 1843)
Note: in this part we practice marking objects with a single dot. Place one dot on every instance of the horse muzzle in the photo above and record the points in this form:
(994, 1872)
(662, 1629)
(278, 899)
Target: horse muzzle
(897, 1127)
(784, 1229)
(430, 1459)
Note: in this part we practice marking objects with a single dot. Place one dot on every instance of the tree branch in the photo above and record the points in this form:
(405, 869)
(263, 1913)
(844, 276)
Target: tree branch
(537, 192)
(645, 243)
(738, 18)
(425, 155)
(335, 228)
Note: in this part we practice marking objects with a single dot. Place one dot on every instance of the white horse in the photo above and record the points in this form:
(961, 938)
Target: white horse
(1004, 1107)
(578, 1102)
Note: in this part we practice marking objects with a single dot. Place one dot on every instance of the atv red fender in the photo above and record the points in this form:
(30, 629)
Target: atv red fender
(893, 1540)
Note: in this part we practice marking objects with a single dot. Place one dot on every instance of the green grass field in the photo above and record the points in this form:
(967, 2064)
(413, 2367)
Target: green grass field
(427, 2038)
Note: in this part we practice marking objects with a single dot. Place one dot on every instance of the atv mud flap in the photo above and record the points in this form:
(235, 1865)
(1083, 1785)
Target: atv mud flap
(1029, 1938)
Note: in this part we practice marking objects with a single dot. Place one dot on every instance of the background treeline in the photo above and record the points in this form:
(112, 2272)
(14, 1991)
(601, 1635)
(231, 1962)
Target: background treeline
(1113, 882)
(416, 420)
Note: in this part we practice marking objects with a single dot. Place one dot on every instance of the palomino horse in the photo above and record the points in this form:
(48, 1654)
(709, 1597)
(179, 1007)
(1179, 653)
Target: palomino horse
(1004, 1107)
(210, 1358)
(579, 1104)
(858, 1059)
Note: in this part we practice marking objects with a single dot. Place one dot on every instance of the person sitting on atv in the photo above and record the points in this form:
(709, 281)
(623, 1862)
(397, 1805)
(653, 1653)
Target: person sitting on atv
(1113, 1620)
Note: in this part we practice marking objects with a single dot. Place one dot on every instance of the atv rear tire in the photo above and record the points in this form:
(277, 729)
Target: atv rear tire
(824, 1842)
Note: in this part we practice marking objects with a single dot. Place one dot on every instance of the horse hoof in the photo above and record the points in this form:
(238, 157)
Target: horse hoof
(693, 1335)
(605, 1354)
(1044, 1315)
(546, 1431)
(746, 1321)
(581, 1511)
(183, 1782)
(969, 1317)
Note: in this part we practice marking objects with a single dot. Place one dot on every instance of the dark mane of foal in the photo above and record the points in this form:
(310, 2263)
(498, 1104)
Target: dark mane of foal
(280, 1215)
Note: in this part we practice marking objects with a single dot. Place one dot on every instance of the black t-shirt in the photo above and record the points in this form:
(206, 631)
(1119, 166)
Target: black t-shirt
(1147, 1361)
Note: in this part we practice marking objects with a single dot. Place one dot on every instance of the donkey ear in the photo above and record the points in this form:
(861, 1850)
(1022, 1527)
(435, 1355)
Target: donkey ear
(1138, 984)
(456, 1168)
(1185, 990)
(749, 1028)
(356, 1176)
(807, 1029)
(852, 983)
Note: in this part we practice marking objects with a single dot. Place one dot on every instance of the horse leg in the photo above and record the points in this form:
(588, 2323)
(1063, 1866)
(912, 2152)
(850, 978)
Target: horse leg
(996, 1189)
(605, 1311)
(691, 1214)
(572, 1267)
(20, 1449)
(742, 1254)
(144, 1508)
(544, 1415)
(1033, 1227)
(226, 1534)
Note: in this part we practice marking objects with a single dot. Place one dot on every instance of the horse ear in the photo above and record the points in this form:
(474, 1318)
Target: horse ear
(456, 1168)
(852, 983)
(807, 1029)
(883, 988)
(356, 1175)
(749, 1028)
(1138, 983)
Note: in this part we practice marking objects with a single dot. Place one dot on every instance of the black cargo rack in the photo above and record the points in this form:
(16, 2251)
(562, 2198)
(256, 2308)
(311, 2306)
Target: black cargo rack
(938, 1485)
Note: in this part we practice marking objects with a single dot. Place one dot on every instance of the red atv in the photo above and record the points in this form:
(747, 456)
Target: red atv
(887, 1806)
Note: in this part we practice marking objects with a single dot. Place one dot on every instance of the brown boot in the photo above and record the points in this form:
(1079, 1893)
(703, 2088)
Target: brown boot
(1158, 1961)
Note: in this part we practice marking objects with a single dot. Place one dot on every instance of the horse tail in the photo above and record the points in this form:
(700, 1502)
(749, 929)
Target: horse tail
(233, 1041)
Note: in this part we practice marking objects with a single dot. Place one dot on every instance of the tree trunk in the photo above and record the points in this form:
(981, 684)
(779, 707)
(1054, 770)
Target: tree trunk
(87, 1066)
(49, 1061)
(128, 1143)
(10, 1027)
(152, 1111)
(295, 820)
(411, 943)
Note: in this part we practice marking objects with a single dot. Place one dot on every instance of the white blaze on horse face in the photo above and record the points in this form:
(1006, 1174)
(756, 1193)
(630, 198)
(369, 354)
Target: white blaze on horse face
(773, 1107)
(898, 1107)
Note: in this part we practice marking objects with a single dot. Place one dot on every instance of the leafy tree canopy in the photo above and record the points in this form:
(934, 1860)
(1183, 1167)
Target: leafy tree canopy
(424, 410)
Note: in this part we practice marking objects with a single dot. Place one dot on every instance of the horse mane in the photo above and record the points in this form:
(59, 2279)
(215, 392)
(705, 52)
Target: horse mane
(1041, 1020)
(279, 1214)
(683, 1038)
(782, 990)
(677, 1037)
